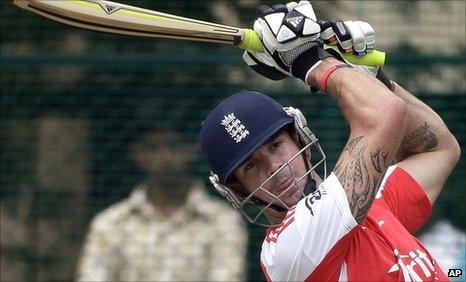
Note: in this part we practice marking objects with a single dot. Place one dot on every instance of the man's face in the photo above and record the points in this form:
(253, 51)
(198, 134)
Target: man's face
(162, 153)
(265, 161)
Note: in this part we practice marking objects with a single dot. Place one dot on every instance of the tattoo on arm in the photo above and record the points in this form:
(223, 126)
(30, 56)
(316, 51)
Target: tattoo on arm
(422, 139)
(352, 143)
(379, 160)
(357, 176)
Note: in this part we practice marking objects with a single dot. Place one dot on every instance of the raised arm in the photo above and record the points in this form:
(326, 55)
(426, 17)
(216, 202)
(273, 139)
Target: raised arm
(377, 120)
(429, 152)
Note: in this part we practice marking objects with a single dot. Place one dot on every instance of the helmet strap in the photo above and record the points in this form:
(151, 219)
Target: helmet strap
(311, 183)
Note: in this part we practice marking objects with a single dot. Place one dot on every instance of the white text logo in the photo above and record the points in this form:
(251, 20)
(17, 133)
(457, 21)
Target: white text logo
(234, 127)
(295, 21)
(409, 263)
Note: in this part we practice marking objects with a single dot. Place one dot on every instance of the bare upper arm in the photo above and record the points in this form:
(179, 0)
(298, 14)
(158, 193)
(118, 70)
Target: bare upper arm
(360, 169)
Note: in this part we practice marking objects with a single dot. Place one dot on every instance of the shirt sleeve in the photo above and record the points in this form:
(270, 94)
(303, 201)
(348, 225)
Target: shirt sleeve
(405, 198)
(98, 258)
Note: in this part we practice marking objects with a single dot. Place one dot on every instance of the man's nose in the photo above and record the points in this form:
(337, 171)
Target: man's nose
(274, 165)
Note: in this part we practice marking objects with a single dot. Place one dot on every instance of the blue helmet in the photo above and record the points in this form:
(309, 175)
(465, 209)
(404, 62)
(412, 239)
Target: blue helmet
(236, 127)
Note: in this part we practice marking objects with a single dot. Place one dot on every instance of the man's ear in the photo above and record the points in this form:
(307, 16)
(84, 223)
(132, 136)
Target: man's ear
(237, 187)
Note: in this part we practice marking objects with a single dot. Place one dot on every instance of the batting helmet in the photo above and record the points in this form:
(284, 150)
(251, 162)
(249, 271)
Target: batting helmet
(237, 127)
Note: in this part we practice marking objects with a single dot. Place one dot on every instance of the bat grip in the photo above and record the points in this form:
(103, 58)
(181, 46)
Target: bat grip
(251, 41)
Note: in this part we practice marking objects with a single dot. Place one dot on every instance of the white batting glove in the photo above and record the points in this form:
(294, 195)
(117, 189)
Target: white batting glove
(355, 37)
(287, 32)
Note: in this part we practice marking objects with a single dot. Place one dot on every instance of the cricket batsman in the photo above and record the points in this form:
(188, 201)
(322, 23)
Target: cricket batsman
(358, 222)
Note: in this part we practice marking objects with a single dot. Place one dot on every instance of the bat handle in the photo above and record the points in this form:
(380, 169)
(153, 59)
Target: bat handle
(251, 41)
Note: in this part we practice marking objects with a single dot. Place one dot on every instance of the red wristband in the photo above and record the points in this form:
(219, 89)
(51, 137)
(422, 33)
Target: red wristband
(324, 78)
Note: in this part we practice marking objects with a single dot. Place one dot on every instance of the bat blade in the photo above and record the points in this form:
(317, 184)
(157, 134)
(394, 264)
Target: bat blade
(128, 20)
(107, 16)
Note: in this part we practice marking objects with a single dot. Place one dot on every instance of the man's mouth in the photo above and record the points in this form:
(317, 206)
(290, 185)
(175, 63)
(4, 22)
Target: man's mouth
(285, 184)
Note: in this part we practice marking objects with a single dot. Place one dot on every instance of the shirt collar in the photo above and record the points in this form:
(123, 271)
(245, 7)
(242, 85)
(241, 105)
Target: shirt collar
(197, 203)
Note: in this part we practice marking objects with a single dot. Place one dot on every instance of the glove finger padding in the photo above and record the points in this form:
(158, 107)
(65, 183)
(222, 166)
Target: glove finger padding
(369, 34)
(291, 5)
(280, 8)
(355, 37)
(264, 10)
(287, 31)
(285, 25)
(335, 32)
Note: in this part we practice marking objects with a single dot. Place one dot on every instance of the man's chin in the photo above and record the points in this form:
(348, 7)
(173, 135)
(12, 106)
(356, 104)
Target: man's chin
(293, 197)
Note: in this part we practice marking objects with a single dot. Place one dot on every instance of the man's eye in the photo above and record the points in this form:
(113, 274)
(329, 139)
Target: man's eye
(275, 145)
(250, 165)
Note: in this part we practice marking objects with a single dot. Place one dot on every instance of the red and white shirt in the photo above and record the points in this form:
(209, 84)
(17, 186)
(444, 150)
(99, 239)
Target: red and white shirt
(319, 239)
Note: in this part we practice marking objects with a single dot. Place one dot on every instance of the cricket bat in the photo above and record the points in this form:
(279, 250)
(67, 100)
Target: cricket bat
(123, 19)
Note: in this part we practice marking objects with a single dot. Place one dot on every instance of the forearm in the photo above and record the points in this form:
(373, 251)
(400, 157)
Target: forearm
(364, 101)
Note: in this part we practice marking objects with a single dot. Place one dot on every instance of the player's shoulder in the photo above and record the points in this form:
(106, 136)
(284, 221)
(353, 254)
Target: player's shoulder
(114, 214)
(110, 215)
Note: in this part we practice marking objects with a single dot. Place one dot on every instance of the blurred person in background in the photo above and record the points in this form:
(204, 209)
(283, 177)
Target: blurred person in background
(168, 228)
